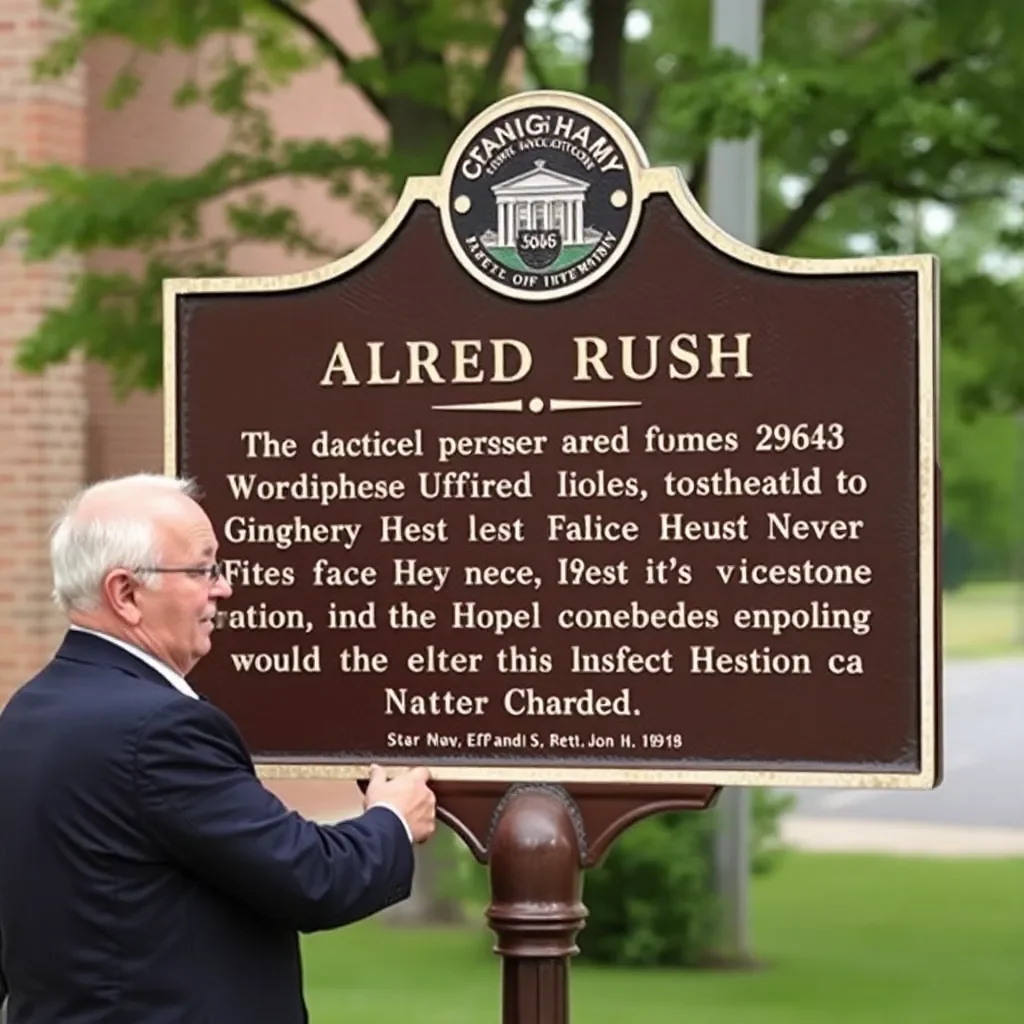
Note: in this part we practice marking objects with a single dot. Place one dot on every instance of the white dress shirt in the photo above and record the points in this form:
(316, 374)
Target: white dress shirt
(181, 685)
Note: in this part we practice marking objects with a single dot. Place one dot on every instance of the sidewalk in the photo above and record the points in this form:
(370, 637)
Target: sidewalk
(902, 838)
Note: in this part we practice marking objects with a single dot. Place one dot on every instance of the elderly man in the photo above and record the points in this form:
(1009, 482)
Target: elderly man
(146, 875)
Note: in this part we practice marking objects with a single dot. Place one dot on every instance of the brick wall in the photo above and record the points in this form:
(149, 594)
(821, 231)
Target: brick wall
(42, 418)
(125, 434)
(67, 427)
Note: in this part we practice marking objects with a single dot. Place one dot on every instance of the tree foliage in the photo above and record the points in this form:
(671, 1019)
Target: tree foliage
(874, 117)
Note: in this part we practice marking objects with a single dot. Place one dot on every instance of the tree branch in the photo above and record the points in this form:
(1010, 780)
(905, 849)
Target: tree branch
(604, 69)
(879, 30)
(907, 190)
(1002, 155)
(510, 36)
(533, 66)
(932, 72)
(837, 174)
(647, 107)
(330, 47)
(833, 179)
(698, 172)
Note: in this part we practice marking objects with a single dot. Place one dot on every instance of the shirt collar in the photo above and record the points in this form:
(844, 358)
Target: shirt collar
(177, 681)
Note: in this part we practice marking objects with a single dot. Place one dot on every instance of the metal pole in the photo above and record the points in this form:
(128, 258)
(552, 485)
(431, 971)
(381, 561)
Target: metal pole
(732, 204)
(536, 905)
(1018, 515)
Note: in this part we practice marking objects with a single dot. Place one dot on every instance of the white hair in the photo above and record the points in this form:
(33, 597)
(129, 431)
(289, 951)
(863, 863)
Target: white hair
(84, 548)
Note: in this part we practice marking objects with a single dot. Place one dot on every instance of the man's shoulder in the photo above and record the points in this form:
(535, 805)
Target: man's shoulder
(121, 681)
(103, 698)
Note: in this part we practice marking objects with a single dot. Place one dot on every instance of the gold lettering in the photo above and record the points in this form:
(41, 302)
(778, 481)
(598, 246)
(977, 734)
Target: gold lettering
(629, 363)
(587, 359)
(718, 355)
(466, 355)
(525, 360)
(691, 359)
(423, 356)
(464, 361)
(427, 362)
(376, 347)
(339, 363)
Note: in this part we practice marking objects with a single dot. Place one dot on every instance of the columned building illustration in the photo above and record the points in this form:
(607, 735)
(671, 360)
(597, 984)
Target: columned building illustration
(541, 200)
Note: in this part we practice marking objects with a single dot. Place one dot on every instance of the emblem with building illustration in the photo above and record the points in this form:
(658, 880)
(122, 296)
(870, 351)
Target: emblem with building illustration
(540, 198)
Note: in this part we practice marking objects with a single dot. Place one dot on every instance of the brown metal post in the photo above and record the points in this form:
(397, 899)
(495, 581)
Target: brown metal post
(536, 906)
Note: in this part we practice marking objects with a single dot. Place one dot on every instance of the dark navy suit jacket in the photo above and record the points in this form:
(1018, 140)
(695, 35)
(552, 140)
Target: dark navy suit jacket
(146, 874)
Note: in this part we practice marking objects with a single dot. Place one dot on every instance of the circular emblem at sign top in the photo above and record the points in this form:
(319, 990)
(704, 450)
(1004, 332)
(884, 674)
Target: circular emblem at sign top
(540, 195)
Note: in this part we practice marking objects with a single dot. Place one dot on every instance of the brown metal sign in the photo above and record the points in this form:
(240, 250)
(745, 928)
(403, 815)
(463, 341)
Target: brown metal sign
(554, 480)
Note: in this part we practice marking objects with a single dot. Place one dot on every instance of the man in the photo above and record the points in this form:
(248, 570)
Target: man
(146, 875)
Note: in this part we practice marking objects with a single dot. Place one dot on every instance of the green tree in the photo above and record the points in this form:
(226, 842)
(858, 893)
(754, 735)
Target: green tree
(980, 436)
(869, 112)
(863, 107)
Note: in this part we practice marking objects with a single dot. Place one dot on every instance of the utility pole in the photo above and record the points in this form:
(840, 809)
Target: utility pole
(1019, 539)
(732, 203)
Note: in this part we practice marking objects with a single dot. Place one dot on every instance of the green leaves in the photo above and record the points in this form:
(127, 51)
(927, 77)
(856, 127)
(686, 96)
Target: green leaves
(980, 23)
(146, 209)
(182, 24)
(981, 326)
(115, 318)
(102, 209)
(112, 319)
(865, 109)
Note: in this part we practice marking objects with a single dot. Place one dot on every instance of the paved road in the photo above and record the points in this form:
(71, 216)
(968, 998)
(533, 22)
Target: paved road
(984, 750)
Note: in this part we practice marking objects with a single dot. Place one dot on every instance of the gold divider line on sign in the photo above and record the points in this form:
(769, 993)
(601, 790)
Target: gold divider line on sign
(537, 405)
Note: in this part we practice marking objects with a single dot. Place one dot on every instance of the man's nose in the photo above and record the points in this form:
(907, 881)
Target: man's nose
(221, 588)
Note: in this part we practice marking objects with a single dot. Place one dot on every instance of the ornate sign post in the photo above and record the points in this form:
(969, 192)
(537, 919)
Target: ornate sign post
(554, 487)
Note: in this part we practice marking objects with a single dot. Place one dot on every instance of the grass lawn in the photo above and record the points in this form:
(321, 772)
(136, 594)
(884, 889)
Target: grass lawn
(982, 620)
(844, 939)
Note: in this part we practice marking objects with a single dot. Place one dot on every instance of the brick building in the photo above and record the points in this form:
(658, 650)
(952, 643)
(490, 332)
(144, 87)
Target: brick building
(65, 428)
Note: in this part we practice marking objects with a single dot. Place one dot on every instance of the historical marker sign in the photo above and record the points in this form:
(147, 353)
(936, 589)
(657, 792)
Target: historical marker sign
(554, 480)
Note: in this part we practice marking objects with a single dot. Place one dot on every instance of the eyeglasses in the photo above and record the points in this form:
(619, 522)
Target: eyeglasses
(212, 572)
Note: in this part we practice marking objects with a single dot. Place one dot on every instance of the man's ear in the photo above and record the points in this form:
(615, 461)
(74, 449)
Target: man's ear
(120, 589)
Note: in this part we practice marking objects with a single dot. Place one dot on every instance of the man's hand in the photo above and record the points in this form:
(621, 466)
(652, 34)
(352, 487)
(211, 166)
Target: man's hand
(409, 795)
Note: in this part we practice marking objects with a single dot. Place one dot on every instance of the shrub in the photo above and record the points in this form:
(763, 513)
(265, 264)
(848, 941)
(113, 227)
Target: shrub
(652, 901)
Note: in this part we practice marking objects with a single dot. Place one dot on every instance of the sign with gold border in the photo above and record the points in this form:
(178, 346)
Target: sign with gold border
(668, 516)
